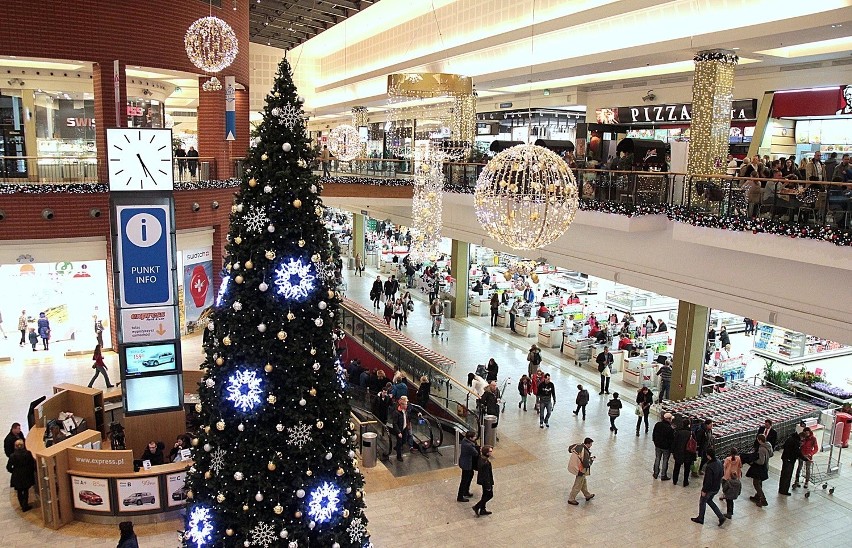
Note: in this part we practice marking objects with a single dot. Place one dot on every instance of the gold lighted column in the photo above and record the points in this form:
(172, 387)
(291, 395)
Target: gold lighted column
(359, 120)
(712, 93)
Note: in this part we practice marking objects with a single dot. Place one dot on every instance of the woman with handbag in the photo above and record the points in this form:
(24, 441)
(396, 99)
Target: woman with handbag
(614, 406)
(485, 478)
(759, 471)
(731, 484)
(407, 306)
(685, 450)
(100, 367)
(495, 308)
(644, 400)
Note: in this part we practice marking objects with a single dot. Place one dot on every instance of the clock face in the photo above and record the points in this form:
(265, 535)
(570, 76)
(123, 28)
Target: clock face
(140, 159)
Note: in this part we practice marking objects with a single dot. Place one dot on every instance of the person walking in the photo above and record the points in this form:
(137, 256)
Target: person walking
(491, 370)
(614, 406)
(663, 438)
(536, 380)
(359, 267)
(22, 327)
(485, 478)
(398, 313)
(401, 426)
(711, 485)
(789, 455)
(524, 389)
(705, 440)
(376, 291)
(99, 330)
(759, 471)
(605, 361)
(436, 310)
(407, 306)
(388, 311)
(128, 537)
(513, 312)
(582, 400)
(495, 308)
(579, 464)
(325, 160)
(731, 480)
(684, 449)
(21, 465)
(546, 400)
(468, 462)
(810, 447)
(533, 360)
(44, 329)
(644, 401)
(424, 391)
(665, 374)
(100, 367)
(33, 337)
(192, 161)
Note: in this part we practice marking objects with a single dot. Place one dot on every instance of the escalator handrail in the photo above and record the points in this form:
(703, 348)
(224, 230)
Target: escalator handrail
(430, 420)
(384, 427)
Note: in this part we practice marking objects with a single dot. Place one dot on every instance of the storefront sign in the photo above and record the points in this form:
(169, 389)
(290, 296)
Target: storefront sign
(835, 101)
(505, 105)
(141, 325)
(197, 284)
(144, 255)
(102, 462)
(744, 109)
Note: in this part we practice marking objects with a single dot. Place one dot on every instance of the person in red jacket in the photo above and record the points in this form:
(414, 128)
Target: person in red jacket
(537, 379)
(625, 343)
(810, 447)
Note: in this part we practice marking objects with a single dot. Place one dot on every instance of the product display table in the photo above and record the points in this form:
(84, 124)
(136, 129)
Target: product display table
(528, 327)
(480, 306)
(550, 336)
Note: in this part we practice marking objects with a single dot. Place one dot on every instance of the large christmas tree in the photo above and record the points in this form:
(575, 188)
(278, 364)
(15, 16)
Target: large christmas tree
(274, 459)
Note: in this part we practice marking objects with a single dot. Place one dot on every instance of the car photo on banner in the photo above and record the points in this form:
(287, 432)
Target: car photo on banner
(91, 494)
(149, 359)
(138, 494)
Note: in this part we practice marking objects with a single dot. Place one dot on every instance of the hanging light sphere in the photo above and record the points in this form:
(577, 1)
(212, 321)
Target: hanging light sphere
(211, 44)
(526, 197)
(344, 142)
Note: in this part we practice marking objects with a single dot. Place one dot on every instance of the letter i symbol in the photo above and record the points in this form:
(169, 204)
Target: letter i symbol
(144, 230)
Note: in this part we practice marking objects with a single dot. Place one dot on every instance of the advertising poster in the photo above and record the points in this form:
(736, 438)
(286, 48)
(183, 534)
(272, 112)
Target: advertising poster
(150, 359)
(138, 494)
(197, 281)
(176, 489)
(91, 494)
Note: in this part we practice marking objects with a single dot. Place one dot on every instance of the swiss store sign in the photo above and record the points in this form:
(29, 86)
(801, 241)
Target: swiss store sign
(743, 109)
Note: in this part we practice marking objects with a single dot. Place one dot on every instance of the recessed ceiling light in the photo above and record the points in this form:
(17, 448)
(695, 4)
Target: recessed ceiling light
(735, 49)
(836, 26)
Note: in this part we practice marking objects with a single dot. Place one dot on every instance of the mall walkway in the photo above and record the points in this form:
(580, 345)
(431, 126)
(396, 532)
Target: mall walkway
(530, 470)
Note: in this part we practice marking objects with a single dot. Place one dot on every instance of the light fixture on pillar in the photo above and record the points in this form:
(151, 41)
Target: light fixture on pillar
(712, 95)
(213, 84)
(526, 197)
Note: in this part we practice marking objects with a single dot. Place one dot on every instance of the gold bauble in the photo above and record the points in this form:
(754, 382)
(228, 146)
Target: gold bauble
(220, 361)
(249, 265)
(207, 429)
(252, 183)
(264, 157)
(313, 351)
(226, 341)
(268, 368)
(282, 335)
(312, 391)
(238, 240)
(320, 425)
(229, 532)
(298, 514)
(271, 399)
(309, 473)
(339, 472)
(278, 509)
(228, 267)
(318, 211)
(220, 425)
(315, 257)
(220, 498)
(297, 203)
(239, 279)
(301, 243)
(291, 316)
(271, 466)
(357, 494)
(190, 494)
(194, 442)
(345, 513)
(245, 507)
(507, 275)
(233, 209)
(534, 277)
(207, 475)
(198, 408)
(269, 254)
(330, 294)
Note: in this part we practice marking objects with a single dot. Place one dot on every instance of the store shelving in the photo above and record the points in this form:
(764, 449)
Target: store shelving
(791, 347)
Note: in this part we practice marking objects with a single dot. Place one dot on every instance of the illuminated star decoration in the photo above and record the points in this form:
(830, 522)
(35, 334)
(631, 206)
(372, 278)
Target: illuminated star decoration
(223, 287)
(244, 389)
(199, 527)
(295, 280)
(324, 502)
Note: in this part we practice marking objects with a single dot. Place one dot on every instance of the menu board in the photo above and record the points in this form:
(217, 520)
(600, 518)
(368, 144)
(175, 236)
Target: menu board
(176, 489)
(91, 494)
(138, 494)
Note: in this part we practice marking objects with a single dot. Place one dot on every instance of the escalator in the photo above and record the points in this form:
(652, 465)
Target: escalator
(371, 423)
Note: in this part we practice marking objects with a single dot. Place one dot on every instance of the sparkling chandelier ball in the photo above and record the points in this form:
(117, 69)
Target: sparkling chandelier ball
(211, 44)
(526, 197)
(344, 142)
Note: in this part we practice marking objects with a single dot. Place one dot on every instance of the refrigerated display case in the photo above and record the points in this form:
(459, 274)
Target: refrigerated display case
(791, 347)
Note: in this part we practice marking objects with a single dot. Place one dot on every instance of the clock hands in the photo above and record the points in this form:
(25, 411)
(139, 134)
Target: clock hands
(144, 168)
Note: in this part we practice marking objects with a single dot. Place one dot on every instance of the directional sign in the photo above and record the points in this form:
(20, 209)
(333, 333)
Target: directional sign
(141, 325)
(144, 255)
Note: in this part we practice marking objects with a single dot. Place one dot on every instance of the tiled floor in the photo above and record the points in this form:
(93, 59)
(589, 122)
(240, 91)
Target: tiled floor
(530, 471)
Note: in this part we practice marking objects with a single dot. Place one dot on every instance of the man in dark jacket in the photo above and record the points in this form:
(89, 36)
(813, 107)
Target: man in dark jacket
(724, 338)
(546, 394)
(22, 467)
(14, 435)
(605, 361)
(490, 401)
(712, 484)
(376, 291)
(468, 461)
(704, 437)
(582, 400)
(770, 433)
(401, 426)
(789, 455)
(663, 436)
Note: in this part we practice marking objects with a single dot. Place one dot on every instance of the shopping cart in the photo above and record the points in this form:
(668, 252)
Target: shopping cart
(819, 476)
(585, 351)
(443, 328)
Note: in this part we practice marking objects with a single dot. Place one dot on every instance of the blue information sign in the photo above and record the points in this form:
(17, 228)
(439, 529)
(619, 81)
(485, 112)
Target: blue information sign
(144, 253)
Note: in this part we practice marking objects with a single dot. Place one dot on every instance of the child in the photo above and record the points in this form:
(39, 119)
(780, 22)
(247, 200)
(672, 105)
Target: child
(33, 336)
(524, 389)
(615, 406)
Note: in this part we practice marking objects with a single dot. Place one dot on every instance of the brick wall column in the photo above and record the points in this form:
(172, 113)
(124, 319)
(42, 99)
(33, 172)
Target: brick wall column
(104, 86)
(211, 129)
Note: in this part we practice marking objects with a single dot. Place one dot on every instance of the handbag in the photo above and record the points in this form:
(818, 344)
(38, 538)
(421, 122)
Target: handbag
(692, 445)
(410, 306)
(638, 412)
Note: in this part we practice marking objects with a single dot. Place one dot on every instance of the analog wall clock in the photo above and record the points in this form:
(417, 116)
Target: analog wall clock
(140, 159)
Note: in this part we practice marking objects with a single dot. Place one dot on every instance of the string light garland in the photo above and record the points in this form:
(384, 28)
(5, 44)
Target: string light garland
(211, 44)
(526, 197)
(344, 142)
(712, 95)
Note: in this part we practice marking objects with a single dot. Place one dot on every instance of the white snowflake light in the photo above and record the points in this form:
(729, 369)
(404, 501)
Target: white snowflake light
(263, 534)
(356, 530)
(295, 280)
(299, 435)
(256, 219)
(199, 528)
(217, 460)
(288, 115)
(244, 390)
(324, 502)
(325, 271)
